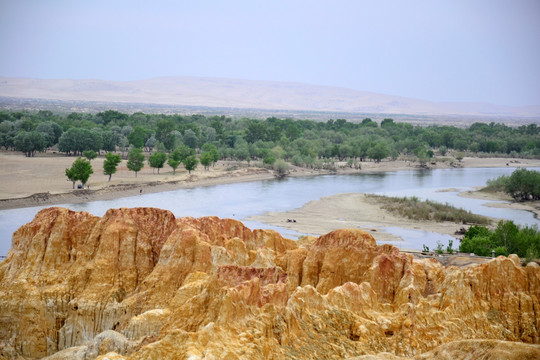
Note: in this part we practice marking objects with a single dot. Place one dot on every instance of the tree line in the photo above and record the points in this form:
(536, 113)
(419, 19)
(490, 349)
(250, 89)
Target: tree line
(301, 142)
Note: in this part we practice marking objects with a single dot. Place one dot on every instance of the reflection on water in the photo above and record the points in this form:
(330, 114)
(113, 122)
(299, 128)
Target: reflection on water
(416, 239)
(239, 201)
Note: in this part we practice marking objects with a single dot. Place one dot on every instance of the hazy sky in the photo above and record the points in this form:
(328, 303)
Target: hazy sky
(441, 50)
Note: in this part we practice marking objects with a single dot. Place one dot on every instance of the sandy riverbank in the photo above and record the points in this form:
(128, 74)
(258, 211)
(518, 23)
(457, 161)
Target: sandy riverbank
(349, 211)
(41, 180)
(509, 203)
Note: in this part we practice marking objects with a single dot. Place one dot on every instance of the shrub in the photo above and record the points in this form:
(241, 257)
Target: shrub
(501, 250)
(480, 245)
(449, 248)
(281, 168)
(497, 184)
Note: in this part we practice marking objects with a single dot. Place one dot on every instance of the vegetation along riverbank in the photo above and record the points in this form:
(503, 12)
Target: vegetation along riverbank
(162, 152)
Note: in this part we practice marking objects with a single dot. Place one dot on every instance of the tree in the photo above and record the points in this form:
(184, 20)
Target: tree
(190, 138)
(90, 154)
(137, 137)
(190, 163)
(135, 160)
(422, 155)
(184, 152)
(71, 176)
(378, 152)
(367, 122)
(206, 160)
(281, 168)
(176, 158)
(163, 130)
(110, 139)
(157, 160)
(523, 185)
(77, 140)
(81, 169)
(212, 152)
(110, 164)
(51, 132)
(174, 163)
(29, 142)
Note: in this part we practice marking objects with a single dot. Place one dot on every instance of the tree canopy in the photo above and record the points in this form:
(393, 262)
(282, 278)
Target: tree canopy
(80, 170)
(306, 143)
(110, 164)
(135, 160)
(190, 163)
(157, 160)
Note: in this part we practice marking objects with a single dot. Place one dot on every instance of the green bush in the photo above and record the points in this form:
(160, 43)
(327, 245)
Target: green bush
(507, 238)
(480, 245)
(501, 250)
(497, 184)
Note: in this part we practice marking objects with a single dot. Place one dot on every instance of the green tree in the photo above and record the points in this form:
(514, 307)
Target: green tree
(212, 149)
(51, 132)
(164, 129)
(378, 152)
(135, 160)
(191, 139)
(174, 160)
(174, 163)
(184, 152)
(206, 160)
(523, 185)
(190, 163)
(110, 140)
(367, 122)
(137, 137)
(281, 168)
(71, 176)
(256, 130)
(157, 160)
(81, 169)
(110, 164)
(29, 142)
(422, 155)
(90, 154)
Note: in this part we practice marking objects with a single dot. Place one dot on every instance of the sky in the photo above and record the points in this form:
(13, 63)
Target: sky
(444, 50)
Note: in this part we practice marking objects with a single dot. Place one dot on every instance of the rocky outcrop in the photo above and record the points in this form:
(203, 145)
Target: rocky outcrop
(141, 284)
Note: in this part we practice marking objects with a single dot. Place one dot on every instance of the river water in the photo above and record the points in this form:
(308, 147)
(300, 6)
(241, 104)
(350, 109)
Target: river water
(241, 200)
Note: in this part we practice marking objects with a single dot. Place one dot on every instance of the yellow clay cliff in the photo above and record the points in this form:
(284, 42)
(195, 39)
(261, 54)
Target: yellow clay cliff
(142, 284)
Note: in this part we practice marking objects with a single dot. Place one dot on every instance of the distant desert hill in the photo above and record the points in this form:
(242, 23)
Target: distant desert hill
(244, 94)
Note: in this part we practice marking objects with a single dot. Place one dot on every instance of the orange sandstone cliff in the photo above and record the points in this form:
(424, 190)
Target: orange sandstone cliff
(141, 284)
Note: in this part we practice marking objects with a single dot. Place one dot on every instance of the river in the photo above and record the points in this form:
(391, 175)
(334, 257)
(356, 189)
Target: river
(241, 200)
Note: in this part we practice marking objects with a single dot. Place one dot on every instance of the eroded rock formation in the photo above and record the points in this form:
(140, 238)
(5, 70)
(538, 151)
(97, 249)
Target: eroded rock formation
(141, 284)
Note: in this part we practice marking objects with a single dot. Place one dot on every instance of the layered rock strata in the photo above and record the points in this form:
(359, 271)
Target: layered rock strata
(142, 284)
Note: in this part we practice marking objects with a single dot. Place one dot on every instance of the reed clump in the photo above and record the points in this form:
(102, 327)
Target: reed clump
(427, 210)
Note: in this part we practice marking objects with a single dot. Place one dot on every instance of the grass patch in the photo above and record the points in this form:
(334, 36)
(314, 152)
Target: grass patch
(496, 185)
(415, 209)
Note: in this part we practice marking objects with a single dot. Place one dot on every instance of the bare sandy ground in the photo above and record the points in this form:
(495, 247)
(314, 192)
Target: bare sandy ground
(41, 180)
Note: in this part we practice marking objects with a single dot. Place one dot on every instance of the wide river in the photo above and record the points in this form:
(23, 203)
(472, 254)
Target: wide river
(241, 200)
